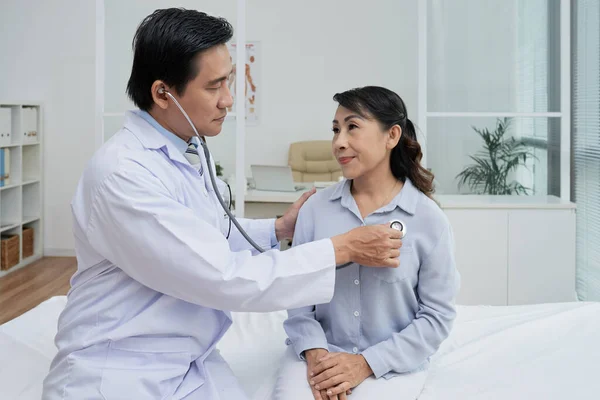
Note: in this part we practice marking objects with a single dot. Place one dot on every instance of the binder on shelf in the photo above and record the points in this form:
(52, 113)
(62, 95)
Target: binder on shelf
(2, 183)
(5, 126)
(30, 134)
(4, 167)
(6, 173)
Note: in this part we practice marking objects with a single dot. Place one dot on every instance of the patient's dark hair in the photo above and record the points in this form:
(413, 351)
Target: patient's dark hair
(387, 108)
(165, 47)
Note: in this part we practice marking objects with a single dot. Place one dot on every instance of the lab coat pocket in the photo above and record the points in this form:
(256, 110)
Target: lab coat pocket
(408, 267)
(145, 368)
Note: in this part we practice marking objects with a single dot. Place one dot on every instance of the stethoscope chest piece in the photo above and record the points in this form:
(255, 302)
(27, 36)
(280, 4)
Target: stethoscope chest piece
(398, 225)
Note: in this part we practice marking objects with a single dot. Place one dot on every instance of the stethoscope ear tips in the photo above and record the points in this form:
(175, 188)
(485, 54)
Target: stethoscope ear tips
(399, 226)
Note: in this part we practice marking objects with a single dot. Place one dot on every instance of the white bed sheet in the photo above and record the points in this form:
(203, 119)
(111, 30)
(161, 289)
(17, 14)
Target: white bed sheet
(545, 351)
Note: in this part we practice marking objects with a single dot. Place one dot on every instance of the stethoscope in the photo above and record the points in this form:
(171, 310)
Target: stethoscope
(395, 224)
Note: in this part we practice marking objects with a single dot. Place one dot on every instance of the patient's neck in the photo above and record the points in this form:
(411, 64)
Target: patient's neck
(375, 189)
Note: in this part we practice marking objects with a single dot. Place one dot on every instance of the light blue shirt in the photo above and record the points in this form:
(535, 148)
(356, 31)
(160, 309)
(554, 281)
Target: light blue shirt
(396, 318)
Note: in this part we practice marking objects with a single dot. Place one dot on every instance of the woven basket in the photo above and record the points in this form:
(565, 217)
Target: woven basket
(28, 244)
(10, 251)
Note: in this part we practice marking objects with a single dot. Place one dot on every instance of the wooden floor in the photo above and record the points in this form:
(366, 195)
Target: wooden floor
(27, 287)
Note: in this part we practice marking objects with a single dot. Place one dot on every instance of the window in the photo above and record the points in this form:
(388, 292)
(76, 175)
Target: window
(586, 144)
(472, 85)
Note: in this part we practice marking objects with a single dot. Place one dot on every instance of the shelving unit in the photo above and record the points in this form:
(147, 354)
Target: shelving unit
(21, 200)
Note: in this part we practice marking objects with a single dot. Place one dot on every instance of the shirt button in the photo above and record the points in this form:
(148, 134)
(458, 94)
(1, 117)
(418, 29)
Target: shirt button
(356, 282)
(356, 313)
(355, 350)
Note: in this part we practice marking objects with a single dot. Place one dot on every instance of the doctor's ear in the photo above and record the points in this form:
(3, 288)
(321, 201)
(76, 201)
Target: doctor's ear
(159, 95)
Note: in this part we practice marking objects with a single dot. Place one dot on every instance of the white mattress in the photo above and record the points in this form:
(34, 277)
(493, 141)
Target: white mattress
(526, 352)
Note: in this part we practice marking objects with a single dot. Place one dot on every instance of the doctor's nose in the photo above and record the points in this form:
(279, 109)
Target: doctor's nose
(227, 99)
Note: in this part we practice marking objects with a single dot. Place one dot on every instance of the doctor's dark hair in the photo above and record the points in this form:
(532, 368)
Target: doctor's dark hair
(387, 108)
(165, 47)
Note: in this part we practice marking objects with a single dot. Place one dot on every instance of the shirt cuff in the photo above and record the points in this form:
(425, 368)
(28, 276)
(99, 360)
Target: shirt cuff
(377, 365)
(307, 343)
(274, 241)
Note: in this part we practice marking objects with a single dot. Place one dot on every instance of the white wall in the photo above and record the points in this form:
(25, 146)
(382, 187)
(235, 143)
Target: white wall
(313, 49)
(310, 50)
(48, 55)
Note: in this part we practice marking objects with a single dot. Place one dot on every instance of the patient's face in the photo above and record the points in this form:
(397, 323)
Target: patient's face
(359, 144)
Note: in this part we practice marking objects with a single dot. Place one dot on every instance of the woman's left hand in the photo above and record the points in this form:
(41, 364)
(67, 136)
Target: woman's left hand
(340, 372)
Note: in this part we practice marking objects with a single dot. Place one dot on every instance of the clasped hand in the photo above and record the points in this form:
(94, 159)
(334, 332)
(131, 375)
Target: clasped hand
(332, 376)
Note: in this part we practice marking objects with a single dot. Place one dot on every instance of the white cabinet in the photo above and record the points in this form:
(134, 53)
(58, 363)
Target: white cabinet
(513, 250)
(541, 256)
(479, 236)
(21, 190)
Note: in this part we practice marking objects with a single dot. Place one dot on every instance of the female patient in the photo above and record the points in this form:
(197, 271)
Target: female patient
(381, 323)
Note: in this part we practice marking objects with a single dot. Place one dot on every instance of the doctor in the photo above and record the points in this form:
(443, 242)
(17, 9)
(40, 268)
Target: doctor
(156, 273)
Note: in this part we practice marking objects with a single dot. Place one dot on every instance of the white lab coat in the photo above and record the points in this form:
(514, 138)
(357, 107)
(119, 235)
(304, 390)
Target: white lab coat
(144, 315)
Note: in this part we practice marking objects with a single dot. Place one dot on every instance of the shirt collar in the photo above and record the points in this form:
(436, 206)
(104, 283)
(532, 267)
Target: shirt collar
(406, 199)
(179, 143)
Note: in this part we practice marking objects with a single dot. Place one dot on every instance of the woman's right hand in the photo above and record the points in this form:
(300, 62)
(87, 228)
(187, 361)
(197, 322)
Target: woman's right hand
(312, 357)
(372, 246)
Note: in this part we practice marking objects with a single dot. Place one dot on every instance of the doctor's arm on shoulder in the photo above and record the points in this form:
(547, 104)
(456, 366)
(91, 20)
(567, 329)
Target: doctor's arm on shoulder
(137, 224)
(267, 233)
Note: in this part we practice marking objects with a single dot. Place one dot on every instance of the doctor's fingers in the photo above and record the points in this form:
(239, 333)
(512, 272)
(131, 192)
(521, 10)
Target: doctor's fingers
(305, 196)
(393, 233)
(395, 243)
(395, 253)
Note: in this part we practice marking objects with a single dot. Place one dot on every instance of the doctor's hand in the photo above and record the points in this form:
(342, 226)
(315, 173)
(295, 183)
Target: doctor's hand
(284, 226)
(336, 373)
(372, 246)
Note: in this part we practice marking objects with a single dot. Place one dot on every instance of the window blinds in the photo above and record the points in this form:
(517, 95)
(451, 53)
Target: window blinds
(586, 144)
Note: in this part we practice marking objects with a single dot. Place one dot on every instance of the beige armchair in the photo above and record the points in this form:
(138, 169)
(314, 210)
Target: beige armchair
(313, 161)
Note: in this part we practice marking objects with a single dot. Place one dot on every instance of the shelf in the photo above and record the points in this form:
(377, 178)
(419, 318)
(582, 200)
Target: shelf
(31, 163)
(10, 207)
(10, 125)
(23, 263)
(30, 219)
(12, 185)
(31, 200)
(8, 227)
(37, 234)
(21, 202)
(14, 154)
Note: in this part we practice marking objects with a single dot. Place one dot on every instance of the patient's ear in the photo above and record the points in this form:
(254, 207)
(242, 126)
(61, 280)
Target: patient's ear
(394, 135)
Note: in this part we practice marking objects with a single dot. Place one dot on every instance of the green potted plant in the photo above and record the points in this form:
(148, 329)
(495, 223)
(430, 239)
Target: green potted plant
(218, 169)
(492, 166)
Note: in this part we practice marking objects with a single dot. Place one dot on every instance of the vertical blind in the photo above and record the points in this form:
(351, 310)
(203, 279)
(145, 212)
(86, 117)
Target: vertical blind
(586, 144)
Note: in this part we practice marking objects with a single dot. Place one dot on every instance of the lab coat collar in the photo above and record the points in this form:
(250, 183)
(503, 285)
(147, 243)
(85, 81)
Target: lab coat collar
(151, 138)
(177, 141)
(406, 199)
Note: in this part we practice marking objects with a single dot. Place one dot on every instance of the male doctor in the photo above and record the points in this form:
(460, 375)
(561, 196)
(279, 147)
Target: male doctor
(156, 275)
